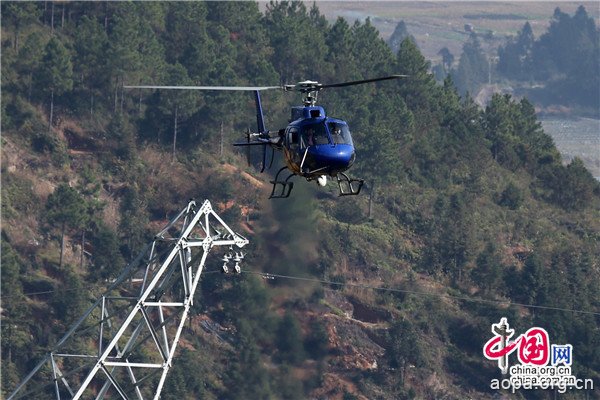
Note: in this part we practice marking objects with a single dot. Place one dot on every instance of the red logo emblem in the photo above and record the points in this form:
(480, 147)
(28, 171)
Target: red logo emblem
(534, 347)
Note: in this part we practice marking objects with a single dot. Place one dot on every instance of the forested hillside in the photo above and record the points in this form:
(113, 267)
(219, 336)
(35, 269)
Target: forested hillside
(464, 211)
(557, 70)
(566, 59)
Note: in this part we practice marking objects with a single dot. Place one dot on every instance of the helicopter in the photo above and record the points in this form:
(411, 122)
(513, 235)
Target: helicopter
(315, 146)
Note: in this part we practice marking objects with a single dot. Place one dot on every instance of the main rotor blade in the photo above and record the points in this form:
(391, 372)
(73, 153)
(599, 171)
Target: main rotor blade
(350, 83)
(244, 88)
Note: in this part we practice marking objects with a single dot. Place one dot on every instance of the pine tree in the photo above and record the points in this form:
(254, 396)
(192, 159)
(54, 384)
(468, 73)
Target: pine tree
(29, 59)
(339, 40)
(499, 120)
(404, 347)
(55, 73)
(91, 44)
(65, 207)
(371, 54)
(447, 58)
(19, 15)
(289, 340)
(472, 69)
(488, 271)
(419, 89)
(398, 36)
(185, 27)
(178, 103)
(515, 59)
(248, 379)
(297, 45)
(124, 58)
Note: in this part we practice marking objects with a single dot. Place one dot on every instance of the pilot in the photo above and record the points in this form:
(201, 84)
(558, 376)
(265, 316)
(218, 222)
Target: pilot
(337, 135)
(310, 134)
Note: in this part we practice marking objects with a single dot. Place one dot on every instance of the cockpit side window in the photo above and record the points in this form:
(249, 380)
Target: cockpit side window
(293, 136)
(339, 133)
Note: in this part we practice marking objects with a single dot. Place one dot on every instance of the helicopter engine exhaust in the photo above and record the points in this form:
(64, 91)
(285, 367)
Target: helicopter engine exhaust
(322, 180)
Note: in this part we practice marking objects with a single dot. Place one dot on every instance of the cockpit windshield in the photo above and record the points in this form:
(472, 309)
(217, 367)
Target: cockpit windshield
(314, 134)
(339, 133)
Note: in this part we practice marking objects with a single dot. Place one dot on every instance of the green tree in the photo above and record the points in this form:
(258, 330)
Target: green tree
(499, 121)
(419, 89)
(381, 162)
(55, 74)
(19, 15)
(511, 197)
(91, 44)
(488, 270)
(185, 26)
(339, 41)
(15, 338)
(538, 147)
(297, 45)
(134, 220)
(316, 343)
(295, 238)
(178, 103)
(122, 132)
(107, 261)
(65, 206)
(123, 54)
(451, 236)
(248, 35)
(184, 380)
(400, 33)
(573, 187)
(69, 301)
(248, 379)
(371, 54)
(527, 285)
(29, 59)
(473, 66)
(443, 69)
(567, 56)
(289, 340)
(403, 347)
(447, 59)
(515, 59)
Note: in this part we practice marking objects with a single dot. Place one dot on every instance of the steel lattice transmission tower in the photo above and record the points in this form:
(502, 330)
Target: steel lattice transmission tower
(134, 328)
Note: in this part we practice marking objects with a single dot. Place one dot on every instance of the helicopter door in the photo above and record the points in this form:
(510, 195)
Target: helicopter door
(293, 143)
(293, 138)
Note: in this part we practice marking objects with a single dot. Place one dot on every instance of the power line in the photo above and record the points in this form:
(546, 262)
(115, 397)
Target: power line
(361, 286)
(419, 293)
(39, 293)
(12, 296)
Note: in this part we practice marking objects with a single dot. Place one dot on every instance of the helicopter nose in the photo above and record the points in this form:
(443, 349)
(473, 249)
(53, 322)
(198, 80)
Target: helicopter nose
(339, 157)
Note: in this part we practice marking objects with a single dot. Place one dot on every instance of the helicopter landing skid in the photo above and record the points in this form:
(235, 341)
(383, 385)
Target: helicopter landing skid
(349, 186)
(285, 186)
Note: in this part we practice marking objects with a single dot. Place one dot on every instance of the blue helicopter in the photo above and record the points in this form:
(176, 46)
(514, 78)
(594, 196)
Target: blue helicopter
(314, 145)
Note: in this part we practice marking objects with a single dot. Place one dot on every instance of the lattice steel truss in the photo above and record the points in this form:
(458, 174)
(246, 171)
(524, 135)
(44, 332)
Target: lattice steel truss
(136, 325)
